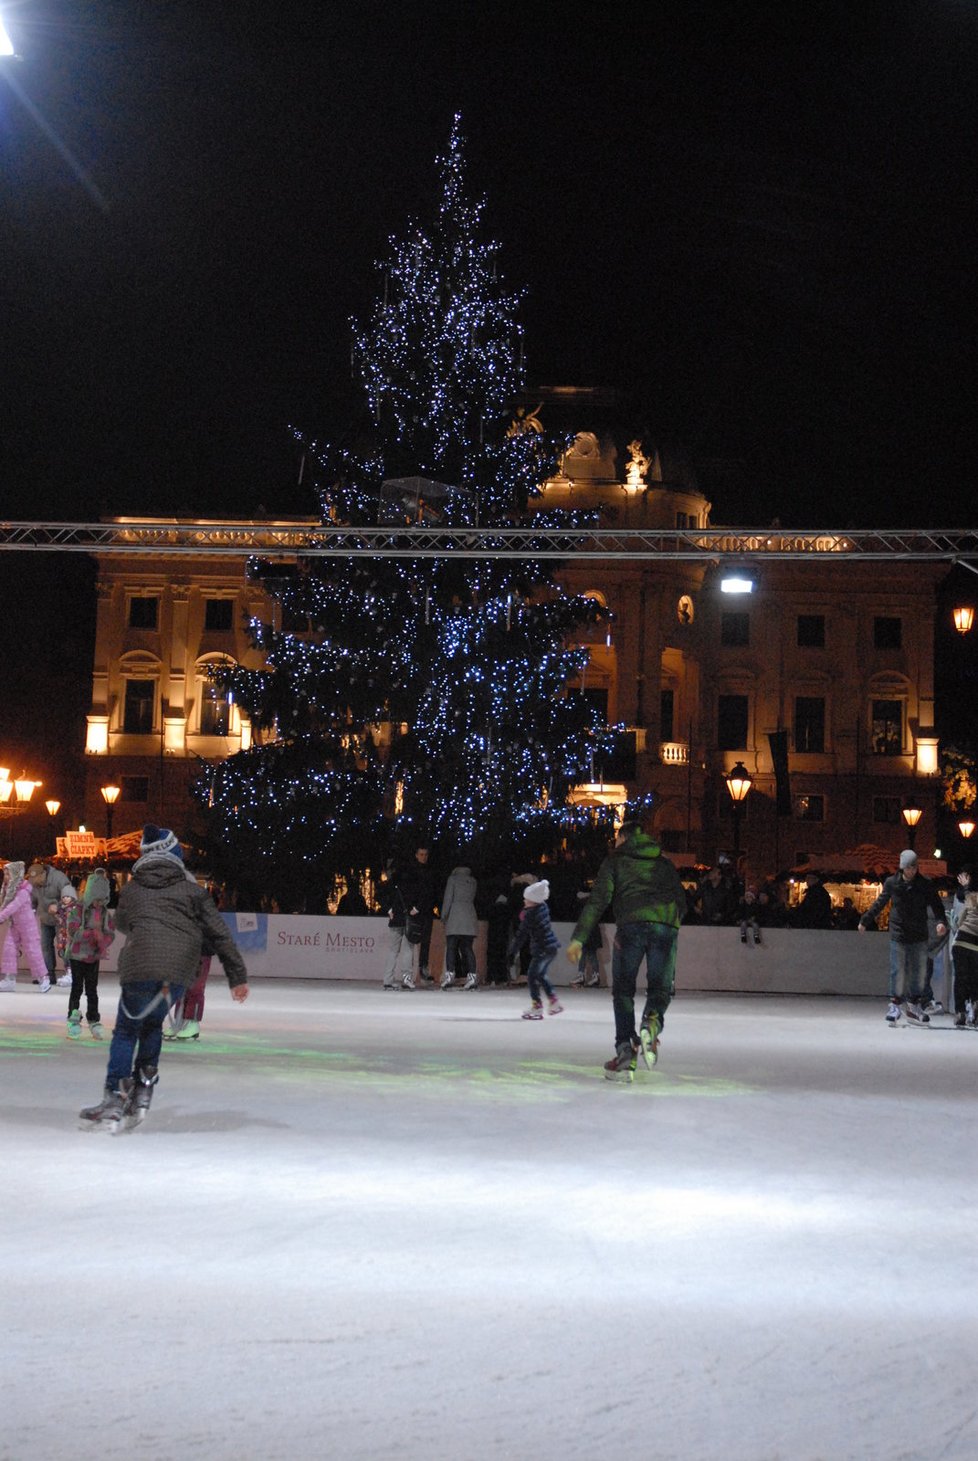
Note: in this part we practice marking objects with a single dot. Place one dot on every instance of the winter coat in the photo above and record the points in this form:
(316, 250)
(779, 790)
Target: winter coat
(535, 928)
(909, 900)
(23, 933)
(458, 913)
(49, 892)
(165, 916)
(89, 932)
(641, 885)
(815, 909)
(966, 930)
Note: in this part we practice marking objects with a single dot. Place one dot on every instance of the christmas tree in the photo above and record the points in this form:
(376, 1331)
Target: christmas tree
(417, 699)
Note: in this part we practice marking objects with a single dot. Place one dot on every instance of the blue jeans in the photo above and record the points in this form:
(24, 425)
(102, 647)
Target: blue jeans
(536, 974)
(908, 969)
(656, 944)
(138, 1036)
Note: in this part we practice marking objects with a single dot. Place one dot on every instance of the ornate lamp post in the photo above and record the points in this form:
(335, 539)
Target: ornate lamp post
(964, 617)
(739, 783)
(912, 815)
(111, 796)
(15, 795)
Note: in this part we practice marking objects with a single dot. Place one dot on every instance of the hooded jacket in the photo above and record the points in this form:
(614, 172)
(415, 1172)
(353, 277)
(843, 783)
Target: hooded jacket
(641, 885)
(165, 916)
(458, 914)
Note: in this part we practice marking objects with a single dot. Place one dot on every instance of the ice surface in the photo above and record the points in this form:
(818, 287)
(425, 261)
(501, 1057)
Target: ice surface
(365, 1225)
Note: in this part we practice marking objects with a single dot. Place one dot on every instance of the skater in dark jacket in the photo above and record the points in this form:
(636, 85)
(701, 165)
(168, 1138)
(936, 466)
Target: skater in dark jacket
(534, 928)
(909, 895)
(165, 916)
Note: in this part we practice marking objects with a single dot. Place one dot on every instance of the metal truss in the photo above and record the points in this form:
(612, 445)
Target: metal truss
(278, 540)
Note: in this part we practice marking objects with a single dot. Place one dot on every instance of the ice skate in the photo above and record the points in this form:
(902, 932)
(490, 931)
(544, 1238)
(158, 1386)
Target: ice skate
(621, 1067)
(65, 981)
(649, 1040)
(447, 981)
(189, 1030)
(44, 985)
(959, 1020)
(142, 1094)
(8, 985)
(471, 982)
(74, 1025)
(894, 1013)
(407, 982)
(556, 1008)
(915, 1015)
(110, 1112)
(97, 1031)
(535, 1012)
(592, 981)
(577, 982)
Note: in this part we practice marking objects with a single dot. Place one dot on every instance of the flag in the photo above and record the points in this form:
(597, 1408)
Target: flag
(778, 741)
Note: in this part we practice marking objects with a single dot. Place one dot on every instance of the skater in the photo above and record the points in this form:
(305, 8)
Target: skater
(648, 901)
(424, 897)
(400, 897)
(535, 929)
(165, 916)
(16, 909)
(964, 950)
(47, 885)
(89, 932)
(187, 1027)
(588, 969)
(461, 925)
(910, 895)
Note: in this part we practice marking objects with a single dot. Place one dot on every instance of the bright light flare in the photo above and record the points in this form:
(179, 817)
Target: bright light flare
(6, 44)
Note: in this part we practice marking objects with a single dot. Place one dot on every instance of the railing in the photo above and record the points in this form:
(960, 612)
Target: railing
(674, 753)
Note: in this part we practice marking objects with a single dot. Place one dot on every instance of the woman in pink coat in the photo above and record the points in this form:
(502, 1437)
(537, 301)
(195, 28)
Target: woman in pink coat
(23, 936)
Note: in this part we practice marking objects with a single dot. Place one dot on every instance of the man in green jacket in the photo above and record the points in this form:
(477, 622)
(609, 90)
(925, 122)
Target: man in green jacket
(648, 901)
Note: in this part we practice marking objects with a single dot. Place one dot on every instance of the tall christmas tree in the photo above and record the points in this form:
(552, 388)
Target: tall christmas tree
(417, 698)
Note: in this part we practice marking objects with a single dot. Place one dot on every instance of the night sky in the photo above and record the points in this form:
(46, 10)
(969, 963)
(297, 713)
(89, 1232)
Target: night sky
(754, 221)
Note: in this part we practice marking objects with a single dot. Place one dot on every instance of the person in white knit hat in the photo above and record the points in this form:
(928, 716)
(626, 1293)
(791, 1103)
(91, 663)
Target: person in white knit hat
(535, 929)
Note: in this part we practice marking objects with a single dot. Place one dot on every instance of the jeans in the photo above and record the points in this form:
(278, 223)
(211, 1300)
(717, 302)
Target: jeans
(656, 944)
(908, 969)
(139, 1028)
(400, 956)
(47, 948)
(536, 974)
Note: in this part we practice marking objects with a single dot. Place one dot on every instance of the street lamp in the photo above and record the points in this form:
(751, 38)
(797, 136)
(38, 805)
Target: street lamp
(15, 795)
(966, 827)
(739, 783)
(111, 796)
(52, 807)
(912, 815)
(964, 617)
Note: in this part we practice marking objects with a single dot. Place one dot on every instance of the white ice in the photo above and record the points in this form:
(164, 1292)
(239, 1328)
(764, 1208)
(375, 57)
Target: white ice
(364, 1225)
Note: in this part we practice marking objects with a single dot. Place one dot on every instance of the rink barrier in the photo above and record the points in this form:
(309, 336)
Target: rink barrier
(787, 961)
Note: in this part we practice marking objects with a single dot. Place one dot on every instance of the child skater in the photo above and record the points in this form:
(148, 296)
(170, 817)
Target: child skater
(534, 928)
(89, 931)
(165, 916)
(22, 937)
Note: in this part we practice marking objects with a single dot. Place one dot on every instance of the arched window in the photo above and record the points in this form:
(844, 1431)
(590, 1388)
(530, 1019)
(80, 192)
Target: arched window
(215, 703)
(140, 674)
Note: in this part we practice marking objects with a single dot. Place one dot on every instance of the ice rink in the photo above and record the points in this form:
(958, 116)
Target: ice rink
(364, 1225)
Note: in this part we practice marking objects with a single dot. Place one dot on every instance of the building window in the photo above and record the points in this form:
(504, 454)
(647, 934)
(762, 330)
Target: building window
(811, 631)
(886, 732)
(143, 612)
(137, 716)
(134, 788)
(218, 615)
(215, 711)
(887, 811)
(809, 723)
(667, 715)
(887, 632)
(735, 629)
(810, 809)
(596, 697)
(687, 520)
(732, 722)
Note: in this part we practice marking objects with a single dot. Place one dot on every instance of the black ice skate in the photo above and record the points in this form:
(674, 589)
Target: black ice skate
(142, 1094)
(110, 1113)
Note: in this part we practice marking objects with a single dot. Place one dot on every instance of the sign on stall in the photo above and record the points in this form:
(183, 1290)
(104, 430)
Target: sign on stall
(81, 845)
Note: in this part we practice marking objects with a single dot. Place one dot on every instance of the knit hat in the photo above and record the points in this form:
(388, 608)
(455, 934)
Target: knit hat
(160, 840)
(97, 888)
(908, 858)
(537, 892)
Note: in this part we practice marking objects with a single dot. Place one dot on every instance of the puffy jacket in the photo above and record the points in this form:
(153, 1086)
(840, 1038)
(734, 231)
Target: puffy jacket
(909, 900)
(89, 932)
(535, 926)
(49, 892)
(641, 885)
(165, 916)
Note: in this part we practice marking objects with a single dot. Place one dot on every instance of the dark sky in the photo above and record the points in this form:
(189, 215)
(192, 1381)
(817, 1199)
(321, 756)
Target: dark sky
(756, 220)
